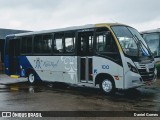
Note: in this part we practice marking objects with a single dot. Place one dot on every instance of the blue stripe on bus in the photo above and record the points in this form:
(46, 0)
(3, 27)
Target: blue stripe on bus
(24, 62)
(6, 64)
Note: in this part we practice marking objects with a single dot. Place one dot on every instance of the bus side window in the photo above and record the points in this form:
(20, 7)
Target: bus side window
(47, 43)
(26, 45)
(100, 42)
(58, 43)
(105, 42)
(106, 45)
(42, 44)
(69, 42)
(38, 44)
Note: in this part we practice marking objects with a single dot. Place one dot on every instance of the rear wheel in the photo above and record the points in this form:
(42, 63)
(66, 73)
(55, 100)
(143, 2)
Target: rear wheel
(32, 78)
(107, 86)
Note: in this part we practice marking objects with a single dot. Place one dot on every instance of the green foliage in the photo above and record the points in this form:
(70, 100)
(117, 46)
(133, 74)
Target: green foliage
(158, 69)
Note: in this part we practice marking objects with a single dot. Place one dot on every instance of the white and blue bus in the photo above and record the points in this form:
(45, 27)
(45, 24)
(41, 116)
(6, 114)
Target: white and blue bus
(111, 56)
(152, 38)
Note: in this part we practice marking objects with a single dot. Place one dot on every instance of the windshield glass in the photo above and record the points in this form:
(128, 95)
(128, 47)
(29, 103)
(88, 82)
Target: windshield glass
(131, 41)
(152, 40)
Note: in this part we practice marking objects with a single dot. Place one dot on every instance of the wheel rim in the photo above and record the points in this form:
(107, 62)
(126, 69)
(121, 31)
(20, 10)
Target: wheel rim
(107, 86)
(31, 78)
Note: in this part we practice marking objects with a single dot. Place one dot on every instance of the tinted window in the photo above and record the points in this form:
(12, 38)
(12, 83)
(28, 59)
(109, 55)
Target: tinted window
(47, 43)
(106, 45)
(43, 43)
(26, 45)
(105, 42)
(69, 42)
(58, 43)
(101, 42)
(38, 44)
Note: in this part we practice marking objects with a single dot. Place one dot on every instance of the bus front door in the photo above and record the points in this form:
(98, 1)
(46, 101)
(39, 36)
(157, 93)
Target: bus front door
(13, 52)
(85, 51)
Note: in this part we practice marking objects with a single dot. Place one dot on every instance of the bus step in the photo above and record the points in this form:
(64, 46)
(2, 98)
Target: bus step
(14, 76)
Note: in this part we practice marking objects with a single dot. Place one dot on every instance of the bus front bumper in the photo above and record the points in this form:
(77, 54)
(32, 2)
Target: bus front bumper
(133, 80)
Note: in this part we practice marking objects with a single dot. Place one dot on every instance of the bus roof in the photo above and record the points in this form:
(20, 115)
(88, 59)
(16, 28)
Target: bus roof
(65, 29)
(151, 31)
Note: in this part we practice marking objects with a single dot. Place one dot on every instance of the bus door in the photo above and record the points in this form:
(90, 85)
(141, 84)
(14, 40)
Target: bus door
(13, 52)
(85, 51)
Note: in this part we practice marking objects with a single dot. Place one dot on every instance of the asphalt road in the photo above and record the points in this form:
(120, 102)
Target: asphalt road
(18, 95)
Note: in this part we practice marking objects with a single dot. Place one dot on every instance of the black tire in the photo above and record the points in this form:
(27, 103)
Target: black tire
(32, 78)
(107, 86)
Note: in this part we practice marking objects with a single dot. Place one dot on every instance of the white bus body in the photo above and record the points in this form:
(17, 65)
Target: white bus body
(109, 55)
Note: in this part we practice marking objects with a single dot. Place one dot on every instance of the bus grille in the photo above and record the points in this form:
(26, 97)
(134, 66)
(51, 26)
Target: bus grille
(147, 76)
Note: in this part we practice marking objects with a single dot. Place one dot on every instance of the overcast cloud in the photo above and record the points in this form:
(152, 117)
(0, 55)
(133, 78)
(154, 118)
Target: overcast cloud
(50, 14)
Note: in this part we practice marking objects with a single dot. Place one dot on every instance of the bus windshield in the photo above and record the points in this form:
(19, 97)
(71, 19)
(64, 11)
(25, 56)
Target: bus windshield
(152, 39)
(131, 41)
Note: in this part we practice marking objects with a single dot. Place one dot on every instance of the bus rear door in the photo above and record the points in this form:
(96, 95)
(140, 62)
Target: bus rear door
(13, 52)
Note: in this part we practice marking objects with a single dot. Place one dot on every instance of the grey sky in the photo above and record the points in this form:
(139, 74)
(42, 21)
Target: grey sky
(50, 14)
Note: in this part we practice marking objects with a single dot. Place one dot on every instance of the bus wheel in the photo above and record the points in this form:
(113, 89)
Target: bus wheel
(107, 86)
(31, 78)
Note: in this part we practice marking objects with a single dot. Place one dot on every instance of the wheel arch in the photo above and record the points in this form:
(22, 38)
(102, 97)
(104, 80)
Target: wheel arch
(100, 77)
(28, 70)
(31, 70)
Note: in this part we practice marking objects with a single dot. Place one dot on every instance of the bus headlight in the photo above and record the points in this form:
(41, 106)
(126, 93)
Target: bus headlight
(132, 68)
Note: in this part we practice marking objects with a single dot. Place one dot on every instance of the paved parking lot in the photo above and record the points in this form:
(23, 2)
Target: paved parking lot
(18, 95)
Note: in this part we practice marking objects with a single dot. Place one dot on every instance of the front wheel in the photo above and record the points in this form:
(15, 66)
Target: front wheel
(107, 86)
(31, 78)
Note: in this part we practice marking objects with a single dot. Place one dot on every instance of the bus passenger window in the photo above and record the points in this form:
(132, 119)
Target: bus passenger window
(43, 43)
(26, 45)
(69, 43)
(38, 44)
(47, 43)
(101, 43)
(58, 43)
(105, 43)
